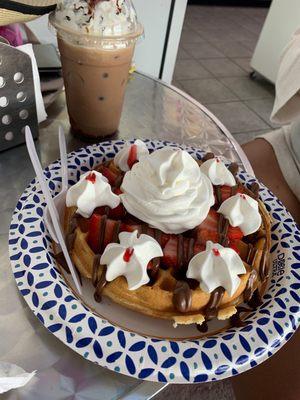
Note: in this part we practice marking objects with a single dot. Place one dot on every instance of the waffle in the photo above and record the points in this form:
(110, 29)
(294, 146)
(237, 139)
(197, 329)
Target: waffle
(157, 298)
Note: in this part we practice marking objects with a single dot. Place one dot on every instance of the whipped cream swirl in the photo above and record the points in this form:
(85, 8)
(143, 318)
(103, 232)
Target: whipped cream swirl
(103, 18)
(217, 172)
(122, 158)
(130, 258)
(242, 211)
(168, 191)
(216, 266)
(91, 191)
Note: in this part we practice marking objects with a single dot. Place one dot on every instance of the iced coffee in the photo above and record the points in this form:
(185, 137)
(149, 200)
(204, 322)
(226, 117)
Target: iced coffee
(96, 40)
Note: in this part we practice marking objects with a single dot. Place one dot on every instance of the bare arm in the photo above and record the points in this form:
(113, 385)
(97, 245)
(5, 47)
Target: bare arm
(267, 170)
(279, 377)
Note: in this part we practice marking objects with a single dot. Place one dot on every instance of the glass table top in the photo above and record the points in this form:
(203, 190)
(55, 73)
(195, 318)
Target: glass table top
(152, 110)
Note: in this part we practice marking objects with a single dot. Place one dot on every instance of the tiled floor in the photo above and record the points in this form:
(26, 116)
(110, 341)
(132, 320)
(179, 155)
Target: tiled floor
(213, 66)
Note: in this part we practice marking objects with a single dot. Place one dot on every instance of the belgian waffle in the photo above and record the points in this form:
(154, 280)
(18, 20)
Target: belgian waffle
(169, 295)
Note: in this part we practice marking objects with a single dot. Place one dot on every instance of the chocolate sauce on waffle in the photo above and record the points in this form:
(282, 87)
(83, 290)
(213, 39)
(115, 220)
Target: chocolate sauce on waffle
(208, 156)
(218, 194)
(180, 252)
(203, 328)
(60, 258)
(250, 287)
(223, 225)
(98, 278)
(236, 320)
(254, 188)
(211, 310)
(263, 267)
(102, 232)
(233, 168)
(182, 297)
(234, 190)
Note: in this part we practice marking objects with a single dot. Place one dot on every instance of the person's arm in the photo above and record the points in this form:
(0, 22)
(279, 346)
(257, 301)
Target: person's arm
(266, 168)
(279, 377)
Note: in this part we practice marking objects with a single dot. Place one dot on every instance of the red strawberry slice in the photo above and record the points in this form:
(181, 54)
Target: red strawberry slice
(130, 228)
(226, 192)
(208, 229)
(234, 245)
(169, 259)
(110, 227)
(132, 157)
(119, 212)
(234, 233)
(94, 231)
(198, 247)
(109, 175)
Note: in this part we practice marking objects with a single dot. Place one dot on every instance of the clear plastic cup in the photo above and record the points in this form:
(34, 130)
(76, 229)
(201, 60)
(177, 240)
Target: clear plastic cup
(95, 69)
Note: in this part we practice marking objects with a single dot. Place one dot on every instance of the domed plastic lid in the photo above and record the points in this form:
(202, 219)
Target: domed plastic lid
(98, 18)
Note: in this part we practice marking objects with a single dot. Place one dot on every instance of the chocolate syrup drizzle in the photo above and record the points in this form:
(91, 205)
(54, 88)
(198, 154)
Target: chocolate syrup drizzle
(98, 278)
(251, 294)
(182, 295)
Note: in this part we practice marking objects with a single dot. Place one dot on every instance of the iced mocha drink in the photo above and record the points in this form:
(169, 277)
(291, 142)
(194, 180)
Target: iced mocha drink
(96, 40)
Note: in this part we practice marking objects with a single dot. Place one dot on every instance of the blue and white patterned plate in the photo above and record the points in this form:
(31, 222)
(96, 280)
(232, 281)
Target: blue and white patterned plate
(178, 361)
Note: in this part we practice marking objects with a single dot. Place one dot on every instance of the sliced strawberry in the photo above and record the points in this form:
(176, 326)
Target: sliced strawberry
(234, 245)
(94, 232)
(130, 228)
(109, 232)
(109, 175)
(208, 229)
(132, 157)
(198, 247)
(234, 233)
(226, 192)
(169, 259)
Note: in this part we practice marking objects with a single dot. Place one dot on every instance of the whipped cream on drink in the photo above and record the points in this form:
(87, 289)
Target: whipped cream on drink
(168, 191)
(97, 17)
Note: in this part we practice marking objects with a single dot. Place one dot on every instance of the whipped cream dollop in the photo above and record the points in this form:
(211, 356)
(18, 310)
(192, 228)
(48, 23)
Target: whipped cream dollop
(168, 191)
(216, 266)
(98, 17)
(135, 151)
(91, 191)
(242, 210)
(217, 172)
(130, 258)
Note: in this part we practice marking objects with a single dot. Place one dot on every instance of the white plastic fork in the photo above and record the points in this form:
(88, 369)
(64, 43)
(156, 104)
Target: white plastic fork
(60, 199)
(52, 210)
